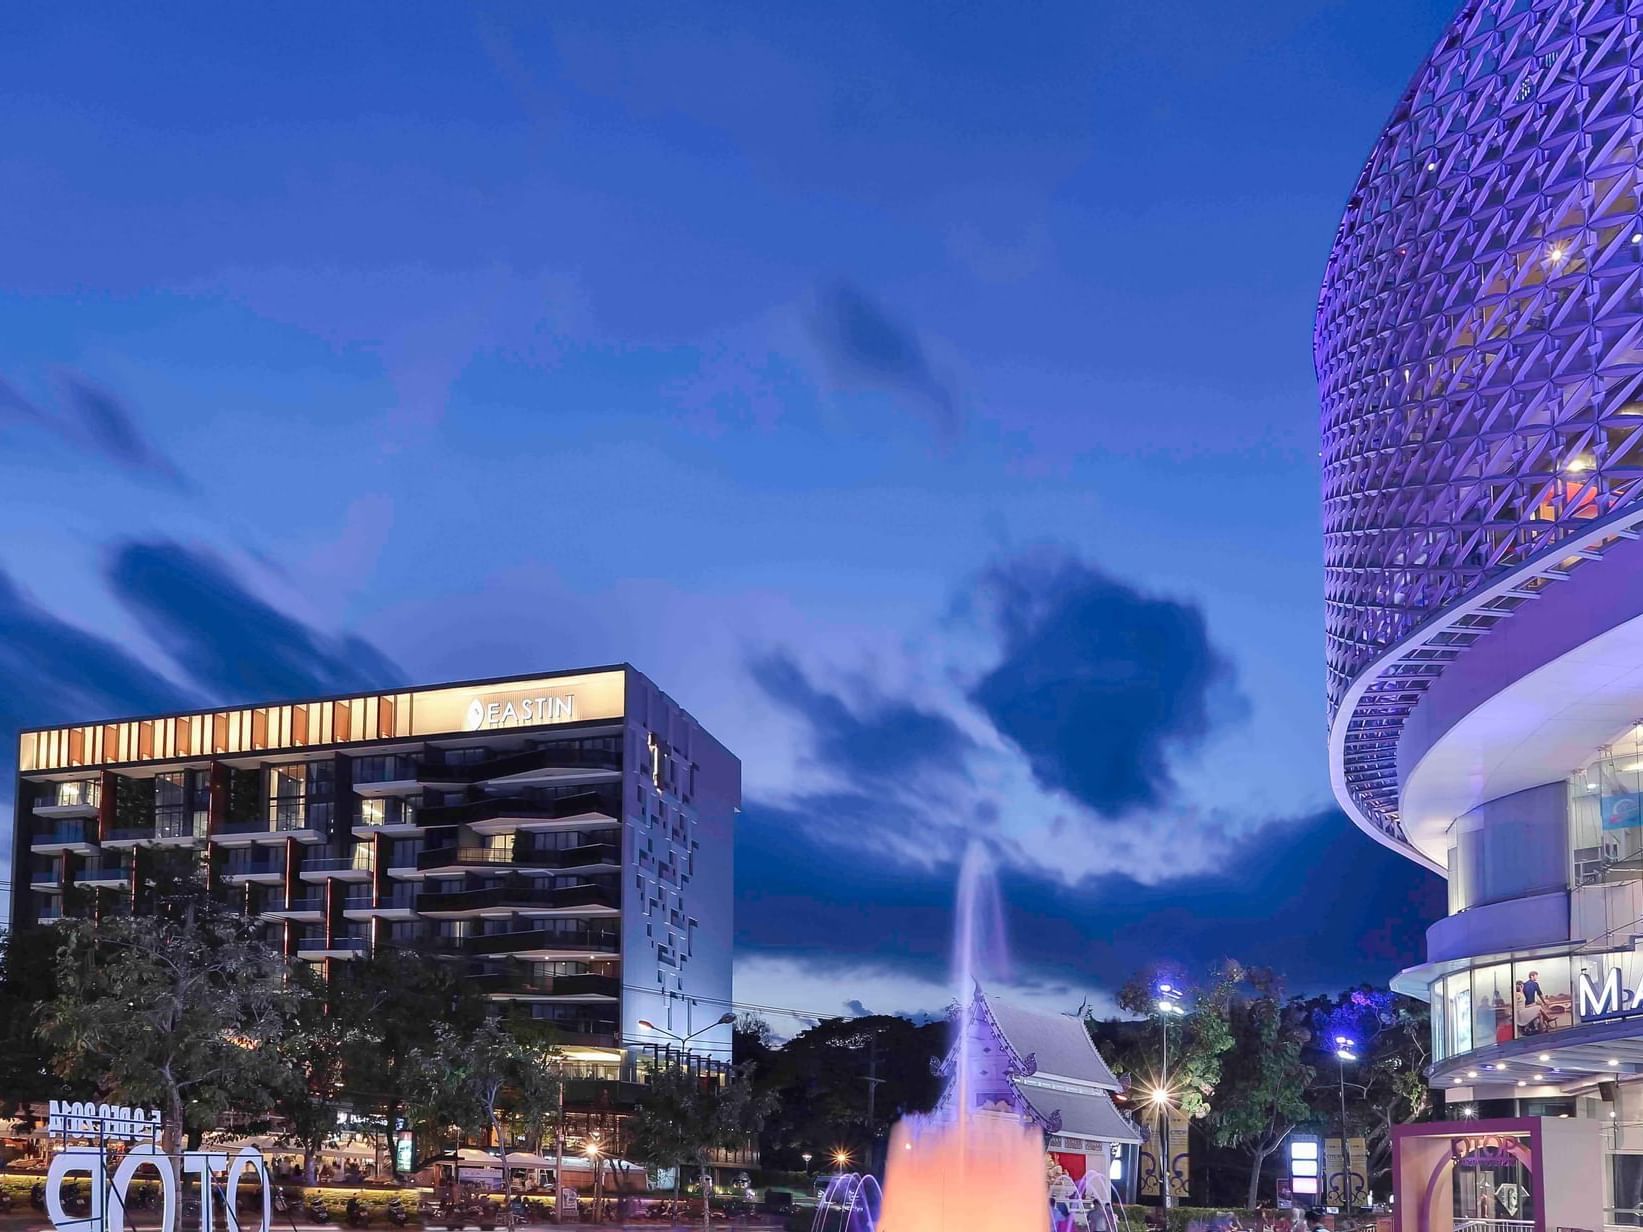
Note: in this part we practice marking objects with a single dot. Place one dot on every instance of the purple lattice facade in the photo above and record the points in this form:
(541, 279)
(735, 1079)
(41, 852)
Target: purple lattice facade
(1479, 352)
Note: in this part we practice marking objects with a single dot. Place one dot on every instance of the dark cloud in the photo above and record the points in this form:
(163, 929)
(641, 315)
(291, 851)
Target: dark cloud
(1312, 898)
(53, 672)
(108, 425)
(888, 739)
(1098, 683)
(863, 345)
(232, 643)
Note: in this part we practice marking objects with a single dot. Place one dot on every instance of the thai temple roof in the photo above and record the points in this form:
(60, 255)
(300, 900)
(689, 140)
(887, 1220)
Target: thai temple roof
(1059, 1043)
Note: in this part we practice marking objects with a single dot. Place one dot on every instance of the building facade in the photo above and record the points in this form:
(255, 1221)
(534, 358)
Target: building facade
(565, 838)
(1479, 351)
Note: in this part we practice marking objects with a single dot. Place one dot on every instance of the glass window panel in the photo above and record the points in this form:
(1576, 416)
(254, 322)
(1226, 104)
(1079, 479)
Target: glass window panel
(1459, 991)
(1542, 997)
(1440, 1037)
(1492, 1017)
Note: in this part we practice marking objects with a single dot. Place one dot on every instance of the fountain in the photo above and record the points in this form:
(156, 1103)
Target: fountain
(963, 1167)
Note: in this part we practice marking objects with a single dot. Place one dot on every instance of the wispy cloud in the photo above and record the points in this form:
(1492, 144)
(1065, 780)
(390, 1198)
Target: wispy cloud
(863, 345)
(89, 417)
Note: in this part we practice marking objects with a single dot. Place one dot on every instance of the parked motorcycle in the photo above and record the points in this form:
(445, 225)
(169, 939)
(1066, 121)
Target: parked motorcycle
(397, 1214)
(355, 1213)
(37, 1195)
(317, 1211)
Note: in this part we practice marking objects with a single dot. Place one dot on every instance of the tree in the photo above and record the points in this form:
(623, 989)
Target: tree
(1385, 1086)
(28, 979)
(1198, 1038)
(389, 1004)
(684, 1118)
(311, 1053)
(656, 1132)
(470, 1079)
(180, 1009)
(820, 1078)
(1261, 1096)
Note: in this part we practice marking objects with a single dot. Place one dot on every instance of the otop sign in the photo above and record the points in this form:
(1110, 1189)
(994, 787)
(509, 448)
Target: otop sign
(110, 1181)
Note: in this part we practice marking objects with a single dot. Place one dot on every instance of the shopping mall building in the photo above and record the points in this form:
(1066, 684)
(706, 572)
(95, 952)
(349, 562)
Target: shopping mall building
(564, 840)
(1479, 349)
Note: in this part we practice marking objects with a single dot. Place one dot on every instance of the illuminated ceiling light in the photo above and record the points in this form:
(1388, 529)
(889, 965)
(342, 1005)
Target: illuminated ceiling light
(1431, 166)
(1540, 1077)
(1471, 1073)
(1577, 464)
(1614, 1061)
(1545, 1056)
(1556, 255)
(1637, 237)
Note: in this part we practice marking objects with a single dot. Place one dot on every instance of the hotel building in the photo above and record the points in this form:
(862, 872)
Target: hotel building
(1479, 351)
(565, 838)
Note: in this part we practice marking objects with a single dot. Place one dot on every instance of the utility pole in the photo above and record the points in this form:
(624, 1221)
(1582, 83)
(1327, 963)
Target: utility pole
(872, 1080)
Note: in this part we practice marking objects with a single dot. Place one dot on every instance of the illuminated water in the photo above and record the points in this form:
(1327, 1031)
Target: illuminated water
(961, 1168)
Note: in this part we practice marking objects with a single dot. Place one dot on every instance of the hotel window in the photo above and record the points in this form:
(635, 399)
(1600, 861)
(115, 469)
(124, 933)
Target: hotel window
(288, 797)
(1440, 1038)
(1493, 1009)
(1458, 990)
(1543, 996)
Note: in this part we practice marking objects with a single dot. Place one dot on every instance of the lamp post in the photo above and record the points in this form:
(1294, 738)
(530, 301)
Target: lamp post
(723, 1020)
(841, 1158)
(1345, 1050)
(1169, 1006)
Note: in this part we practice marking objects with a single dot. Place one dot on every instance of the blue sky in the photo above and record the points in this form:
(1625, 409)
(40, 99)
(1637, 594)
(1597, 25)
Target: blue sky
(924, 398)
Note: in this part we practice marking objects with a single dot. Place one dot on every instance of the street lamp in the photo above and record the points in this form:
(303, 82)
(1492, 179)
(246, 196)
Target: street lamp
(841, 1158)
(1170, 1005)
(806, 1156)
(723, 1020)
(1345, 1050)
(594, 1151)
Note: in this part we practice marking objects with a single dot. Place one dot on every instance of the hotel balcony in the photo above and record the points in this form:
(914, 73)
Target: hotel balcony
(587, 858)
(519, 894)
(364, 905)
(105, 872)
(303, 825)
(569, 988)
(503, 814)
(163, 832)
(268, 872)
(337, 947)
(76, 836)
(307, 908)
(46, 880)
(582, 1032)
(338, 868)
(77, 798)
(544, 944)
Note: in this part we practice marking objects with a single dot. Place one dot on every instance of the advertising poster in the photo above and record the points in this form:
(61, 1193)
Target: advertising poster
(1148, 1162)
(1334, 1173)
(1180, 1167)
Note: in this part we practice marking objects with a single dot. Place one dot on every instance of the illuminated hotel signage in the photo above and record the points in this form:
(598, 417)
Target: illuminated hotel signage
(412, 714)
(514, 711)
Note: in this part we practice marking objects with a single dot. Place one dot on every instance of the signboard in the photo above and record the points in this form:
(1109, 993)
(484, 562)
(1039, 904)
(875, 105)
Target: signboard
(137, 1132)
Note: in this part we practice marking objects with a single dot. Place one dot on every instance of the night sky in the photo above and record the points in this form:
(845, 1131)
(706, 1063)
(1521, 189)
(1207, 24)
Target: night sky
(921, 396)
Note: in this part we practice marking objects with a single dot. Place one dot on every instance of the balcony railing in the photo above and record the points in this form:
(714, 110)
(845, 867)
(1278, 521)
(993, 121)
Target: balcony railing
(253, 868)
(518, 894)
(64, 832)
(584, 856)
(551, 757)
(492, 808)
(572, 940)
(307, 945)
(305, 902)
(361, 863)
(524, 984)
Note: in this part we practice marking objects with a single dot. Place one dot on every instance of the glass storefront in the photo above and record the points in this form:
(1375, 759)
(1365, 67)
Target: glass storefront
(1500, 1002)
